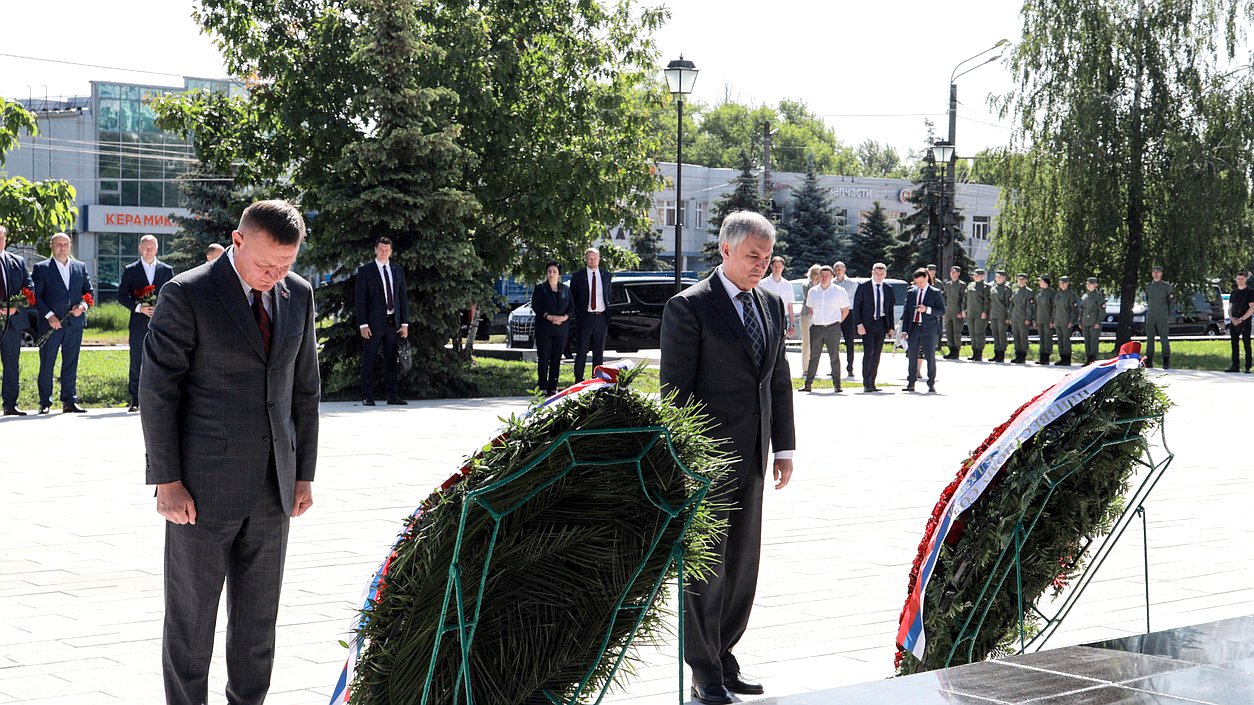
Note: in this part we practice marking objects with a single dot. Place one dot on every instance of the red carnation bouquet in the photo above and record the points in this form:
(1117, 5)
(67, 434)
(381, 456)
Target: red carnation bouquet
(87, 300)
(18, 302)
(146, 296)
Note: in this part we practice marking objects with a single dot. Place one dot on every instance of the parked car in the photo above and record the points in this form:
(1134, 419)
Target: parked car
(635, 305)
(1201, 313)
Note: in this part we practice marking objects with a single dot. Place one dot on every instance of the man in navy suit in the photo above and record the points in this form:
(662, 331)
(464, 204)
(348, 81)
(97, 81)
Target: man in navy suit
(873, 315)
(590, 288)
(13, 277)
(138, 275)
(61, 283)
(382, 319)
(920, 321)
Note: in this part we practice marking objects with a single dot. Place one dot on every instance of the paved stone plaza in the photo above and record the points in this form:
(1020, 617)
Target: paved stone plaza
(80, 577)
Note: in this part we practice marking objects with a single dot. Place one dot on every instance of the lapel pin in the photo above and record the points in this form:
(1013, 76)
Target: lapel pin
(283, 293)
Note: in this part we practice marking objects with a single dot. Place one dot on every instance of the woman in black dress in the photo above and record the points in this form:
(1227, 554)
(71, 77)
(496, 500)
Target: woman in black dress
(552, 305)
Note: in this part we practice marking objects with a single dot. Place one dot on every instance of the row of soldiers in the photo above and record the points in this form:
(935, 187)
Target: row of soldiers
(1054, 313)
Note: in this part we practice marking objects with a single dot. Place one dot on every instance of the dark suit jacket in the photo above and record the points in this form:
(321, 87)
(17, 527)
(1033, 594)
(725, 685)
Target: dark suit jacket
(15, 277)
(931, 321)
(371, 300)
(133, 280)
(579, 291)
(863, 313)
(545, 301)
(214, 408)
(51, 294)
(707, 359)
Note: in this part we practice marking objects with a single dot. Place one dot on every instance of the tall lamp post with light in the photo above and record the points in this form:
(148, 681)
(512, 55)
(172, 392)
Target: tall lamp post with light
(947, 218)
(681, 76)
(943, 156)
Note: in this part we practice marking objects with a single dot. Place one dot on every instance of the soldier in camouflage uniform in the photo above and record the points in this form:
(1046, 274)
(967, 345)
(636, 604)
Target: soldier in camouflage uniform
(1021, 311)
(977, 315)
(1066, 317)
(1159, 297)
(1092, 311)
(1043, 317)
(955, 304)
(999, 313)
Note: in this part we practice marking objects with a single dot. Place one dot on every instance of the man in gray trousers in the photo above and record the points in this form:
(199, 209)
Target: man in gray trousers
(229, 404)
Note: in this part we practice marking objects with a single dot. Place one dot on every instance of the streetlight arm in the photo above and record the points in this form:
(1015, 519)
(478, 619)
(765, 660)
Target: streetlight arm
(990, 60)
(1000, 43)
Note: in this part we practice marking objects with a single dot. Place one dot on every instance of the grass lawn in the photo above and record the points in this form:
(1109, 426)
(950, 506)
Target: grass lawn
(1214, 355)
(101, 379)
(515, 378)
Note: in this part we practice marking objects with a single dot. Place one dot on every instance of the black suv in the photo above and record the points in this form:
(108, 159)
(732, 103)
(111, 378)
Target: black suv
(635, 305)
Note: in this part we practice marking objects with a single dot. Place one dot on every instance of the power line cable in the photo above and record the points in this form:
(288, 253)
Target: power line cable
(100, 66)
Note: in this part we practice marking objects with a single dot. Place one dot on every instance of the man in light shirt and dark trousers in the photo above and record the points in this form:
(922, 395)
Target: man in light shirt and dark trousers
(383, 318)
(590, 287)
(829, 305)
(781, 287)
(144, 272)
(921, 322)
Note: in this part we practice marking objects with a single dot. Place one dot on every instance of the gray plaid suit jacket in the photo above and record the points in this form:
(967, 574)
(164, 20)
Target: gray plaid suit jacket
(214, 407)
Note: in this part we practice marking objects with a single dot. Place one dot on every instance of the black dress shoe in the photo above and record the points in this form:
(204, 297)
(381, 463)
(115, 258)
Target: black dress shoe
(132, 408)
(397, 401)
(73, 408)
(13, 411)
(805, 388)
(931, 389)
(737, 684)
(909, 388)
(367, 402)
(712, 693)
(1234, 368)
(44, 410)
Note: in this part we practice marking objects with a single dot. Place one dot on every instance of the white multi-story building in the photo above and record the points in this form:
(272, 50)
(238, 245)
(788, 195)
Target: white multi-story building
(852, 197)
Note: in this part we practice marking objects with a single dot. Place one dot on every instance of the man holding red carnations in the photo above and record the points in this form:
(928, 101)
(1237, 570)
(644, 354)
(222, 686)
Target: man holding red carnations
(18, 295)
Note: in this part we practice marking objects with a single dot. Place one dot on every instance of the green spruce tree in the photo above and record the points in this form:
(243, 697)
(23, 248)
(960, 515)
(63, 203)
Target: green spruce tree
(809, 235)
(918, 244)
(647, 244)
(215, 207)
(743, 198)
(873, 243)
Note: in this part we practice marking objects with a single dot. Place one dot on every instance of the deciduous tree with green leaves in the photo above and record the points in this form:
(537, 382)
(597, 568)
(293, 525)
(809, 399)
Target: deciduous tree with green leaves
(810, 234)
(1136, 135)
(31, 210)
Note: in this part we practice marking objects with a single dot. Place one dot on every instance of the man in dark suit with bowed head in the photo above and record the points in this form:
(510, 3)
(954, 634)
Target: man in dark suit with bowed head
(921, 322)
(873, 315)
(136, 277)
(723, 347)
(590, 287)
(62, 291)
(382, 318)
(13, 278)
(229, 407)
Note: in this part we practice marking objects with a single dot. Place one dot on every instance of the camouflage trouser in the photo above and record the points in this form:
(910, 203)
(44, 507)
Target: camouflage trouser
(977, 328)
(1045, 335)
(1092, 340)
(953, 330)
(999, 334)
(1020, 331)
(1063, 331)
(1156, 328)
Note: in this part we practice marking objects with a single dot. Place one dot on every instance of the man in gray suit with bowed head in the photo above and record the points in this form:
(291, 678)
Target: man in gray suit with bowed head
(229, 405)
(723, 347)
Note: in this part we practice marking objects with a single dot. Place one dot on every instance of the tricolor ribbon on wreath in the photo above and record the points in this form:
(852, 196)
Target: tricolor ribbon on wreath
(602, 376)
(1071, 390)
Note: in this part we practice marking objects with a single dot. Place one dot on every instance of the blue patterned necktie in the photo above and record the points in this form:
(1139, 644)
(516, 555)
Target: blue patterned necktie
(752, 327)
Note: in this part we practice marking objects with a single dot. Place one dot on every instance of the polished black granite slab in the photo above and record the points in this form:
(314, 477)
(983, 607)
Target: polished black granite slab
(1212, 664)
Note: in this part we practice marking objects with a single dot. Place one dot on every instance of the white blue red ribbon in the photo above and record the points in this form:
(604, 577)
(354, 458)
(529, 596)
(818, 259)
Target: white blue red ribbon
(1068, 392)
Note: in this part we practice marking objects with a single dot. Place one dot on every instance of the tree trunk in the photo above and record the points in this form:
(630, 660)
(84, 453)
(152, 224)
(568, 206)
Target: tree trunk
(1136, 195)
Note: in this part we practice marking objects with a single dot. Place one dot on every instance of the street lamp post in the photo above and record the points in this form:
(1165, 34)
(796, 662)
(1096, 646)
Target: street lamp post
(943, 156)
(681, 75)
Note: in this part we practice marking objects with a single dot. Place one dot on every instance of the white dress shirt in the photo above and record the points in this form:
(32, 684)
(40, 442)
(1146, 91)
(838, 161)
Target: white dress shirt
(850, 286)
(732, 290)
(827, 306)
(150, 270)
(597, 306)
(64, 269)
(782, 288)
(380, 265)
(266, 296)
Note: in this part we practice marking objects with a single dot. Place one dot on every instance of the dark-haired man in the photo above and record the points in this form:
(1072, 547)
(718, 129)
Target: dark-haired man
(13, 278)
(229, 406)
(920, 321)
(382, 319)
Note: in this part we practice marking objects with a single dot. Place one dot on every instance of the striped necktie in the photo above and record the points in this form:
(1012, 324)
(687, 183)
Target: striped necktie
(753, 327)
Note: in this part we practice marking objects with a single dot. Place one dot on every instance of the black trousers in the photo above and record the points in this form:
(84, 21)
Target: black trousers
(1240, 332)
(848, 331)
(246, 555)
(590, 337)
(716, 612)
(10, 354)
(922, 343)
(549, 360)
(137, 332)
(386, 340)
(872, 345)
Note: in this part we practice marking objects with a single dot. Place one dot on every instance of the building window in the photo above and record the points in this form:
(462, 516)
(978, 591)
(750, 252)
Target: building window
(666, 213)
(701, 205)
(113, 252)
(980, 227)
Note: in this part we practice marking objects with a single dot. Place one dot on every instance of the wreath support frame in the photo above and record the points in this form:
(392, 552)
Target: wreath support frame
(1133, 443)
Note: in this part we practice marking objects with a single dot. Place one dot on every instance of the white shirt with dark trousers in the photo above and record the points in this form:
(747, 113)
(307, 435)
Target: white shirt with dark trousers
(827, 310)
(596, 303)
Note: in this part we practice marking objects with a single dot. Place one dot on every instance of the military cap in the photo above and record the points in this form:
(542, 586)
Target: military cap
(1157, 268)
(1064, 278)
(955, 268)
(931, 266)
(1046, 278)
(1001, 272)
(979, 271)
(1021, 275)
(1091, 280)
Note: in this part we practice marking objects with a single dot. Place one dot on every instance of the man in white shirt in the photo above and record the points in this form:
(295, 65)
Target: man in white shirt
(829, 305)
(590, 288)
(846, 326)
(62, 295)
(782, 288)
